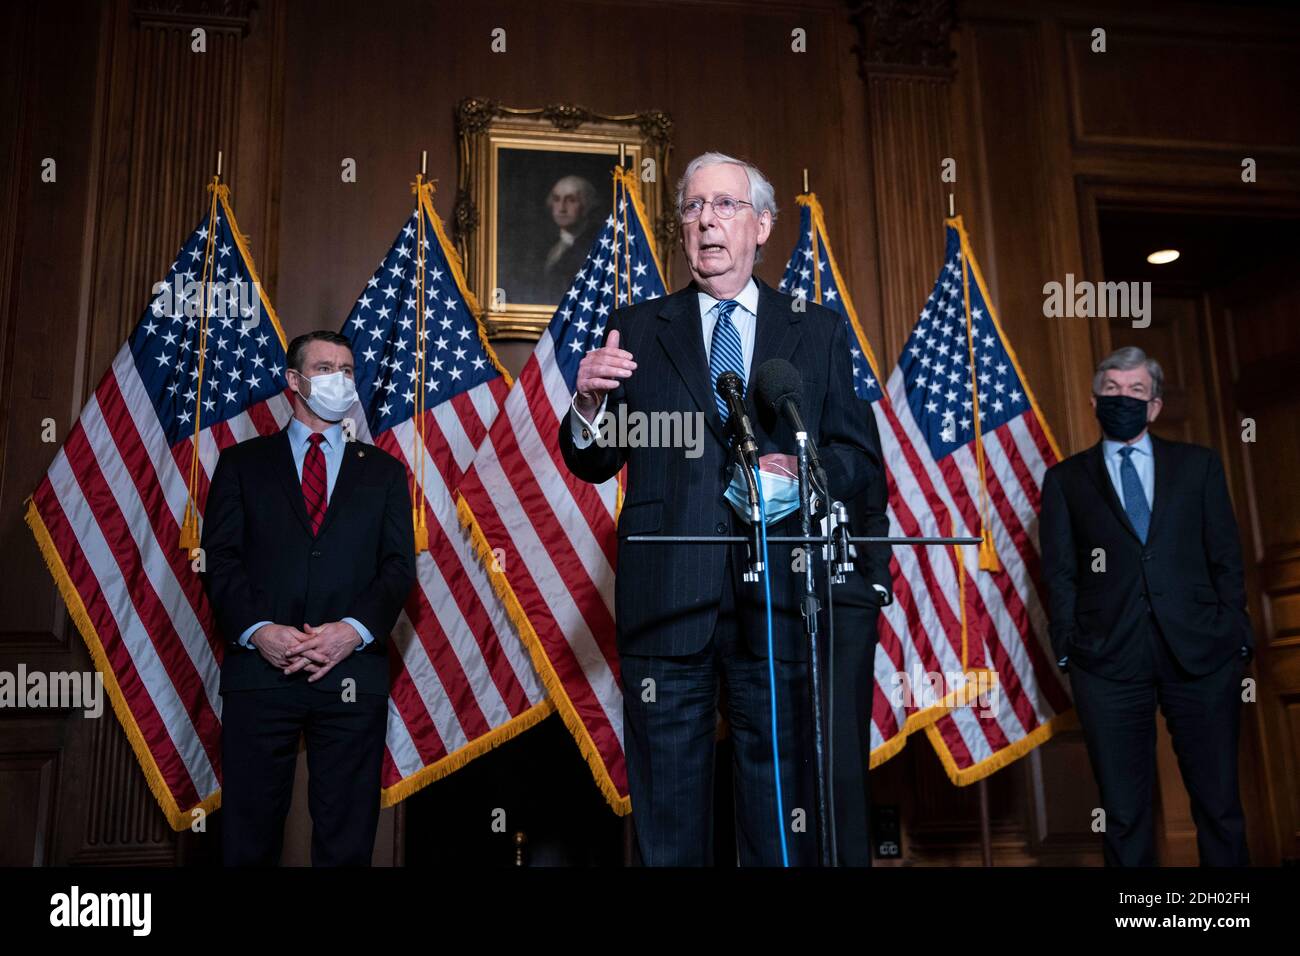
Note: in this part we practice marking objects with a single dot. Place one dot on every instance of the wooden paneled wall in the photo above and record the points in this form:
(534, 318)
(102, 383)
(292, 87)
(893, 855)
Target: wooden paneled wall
(133, 116)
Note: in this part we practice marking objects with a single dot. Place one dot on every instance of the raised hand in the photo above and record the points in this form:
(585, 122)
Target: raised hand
(600, 372)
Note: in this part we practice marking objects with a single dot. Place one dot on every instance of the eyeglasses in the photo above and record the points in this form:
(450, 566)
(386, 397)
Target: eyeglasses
(724, 206)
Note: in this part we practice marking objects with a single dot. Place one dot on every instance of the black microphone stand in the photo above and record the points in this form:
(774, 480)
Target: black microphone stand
(755, 547)
(808, 541)
(811, 610)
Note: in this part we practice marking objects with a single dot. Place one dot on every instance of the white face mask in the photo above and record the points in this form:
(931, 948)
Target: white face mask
(780, 494)
(331, 395)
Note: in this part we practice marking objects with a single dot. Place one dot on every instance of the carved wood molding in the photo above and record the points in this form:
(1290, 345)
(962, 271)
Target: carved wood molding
(910, 134)
(474, 113)
(909, 36)
(177, 109)
(167, 111)
(222, 15)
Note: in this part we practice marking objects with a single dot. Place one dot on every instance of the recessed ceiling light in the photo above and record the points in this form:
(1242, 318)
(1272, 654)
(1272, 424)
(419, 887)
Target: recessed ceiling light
(1162, 256)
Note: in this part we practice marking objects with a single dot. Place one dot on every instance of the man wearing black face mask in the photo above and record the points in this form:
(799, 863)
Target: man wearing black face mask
(1148, 604)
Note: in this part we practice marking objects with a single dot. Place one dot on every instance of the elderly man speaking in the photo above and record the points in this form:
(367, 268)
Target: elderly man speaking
(688, 625)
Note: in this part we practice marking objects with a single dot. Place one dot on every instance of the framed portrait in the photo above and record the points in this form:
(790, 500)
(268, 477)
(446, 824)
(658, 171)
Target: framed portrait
(535, 187)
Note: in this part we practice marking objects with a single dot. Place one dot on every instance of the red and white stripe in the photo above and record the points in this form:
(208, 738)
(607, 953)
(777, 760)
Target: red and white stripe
(1005, 619)
(555, 535)
(112, 502)
(459, 674)
(920, 633)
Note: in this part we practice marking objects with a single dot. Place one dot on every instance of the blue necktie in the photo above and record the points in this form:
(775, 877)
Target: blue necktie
(1135, 499)
(725, 352)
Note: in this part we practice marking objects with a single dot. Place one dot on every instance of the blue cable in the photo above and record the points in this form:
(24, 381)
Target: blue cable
(771, 670)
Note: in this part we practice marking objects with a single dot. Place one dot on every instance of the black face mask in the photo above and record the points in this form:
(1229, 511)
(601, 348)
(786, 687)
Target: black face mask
(1122, 417)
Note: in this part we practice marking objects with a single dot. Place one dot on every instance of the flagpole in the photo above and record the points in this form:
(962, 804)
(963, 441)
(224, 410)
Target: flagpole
(986, 826)
(988, 556)
(418, 520)
(189, 530)
(622, 171)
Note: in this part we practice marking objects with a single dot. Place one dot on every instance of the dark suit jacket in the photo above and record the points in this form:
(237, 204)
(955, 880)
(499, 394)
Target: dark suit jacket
(264, 565)
(868, 516)
(543, 284)
(1188, 573)
(667, 595)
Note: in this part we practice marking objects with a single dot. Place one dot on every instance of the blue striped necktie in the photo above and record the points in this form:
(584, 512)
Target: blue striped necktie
(725, 352)
(1135, 498)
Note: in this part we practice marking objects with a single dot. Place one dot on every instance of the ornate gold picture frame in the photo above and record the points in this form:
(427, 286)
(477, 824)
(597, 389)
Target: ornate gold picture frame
(533, 187)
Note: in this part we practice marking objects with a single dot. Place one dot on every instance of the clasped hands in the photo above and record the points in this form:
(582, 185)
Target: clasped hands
(313, 649)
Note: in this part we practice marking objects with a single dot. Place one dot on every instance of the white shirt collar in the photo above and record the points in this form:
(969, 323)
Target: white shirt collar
(748, 298)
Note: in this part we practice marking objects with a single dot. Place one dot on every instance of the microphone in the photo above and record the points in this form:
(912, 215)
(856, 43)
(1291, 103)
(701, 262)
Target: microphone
(732, 390)
(779, 388)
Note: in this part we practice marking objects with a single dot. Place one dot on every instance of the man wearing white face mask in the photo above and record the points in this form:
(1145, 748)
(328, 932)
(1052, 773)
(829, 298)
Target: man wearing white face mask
(310, 557)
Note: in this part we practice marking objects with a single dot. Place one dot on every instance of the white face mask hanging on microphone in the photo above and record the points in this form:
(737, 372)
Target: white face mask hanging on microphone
(331, 395)
(780, 493)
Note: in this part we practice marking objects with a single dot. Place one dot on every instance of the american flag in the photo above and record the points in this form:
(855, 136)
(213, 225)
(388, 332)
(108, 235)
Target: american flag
(920, 632)
(942, 612)
(554, 531)
(109, 514)
(948, 388)
(461, 680)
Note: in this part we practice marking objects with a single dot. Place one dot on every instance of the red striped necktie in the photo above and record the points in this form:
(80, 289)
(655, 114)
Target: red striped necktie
(314, 487)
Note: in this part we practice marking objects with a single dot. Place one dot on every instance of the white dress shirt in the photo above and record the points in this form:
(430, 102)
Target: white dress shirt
(745, 319)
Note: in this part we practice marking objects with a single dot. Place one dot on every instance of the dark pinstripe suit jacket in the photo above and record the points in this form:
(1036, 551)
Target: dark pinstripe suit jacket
(667, 595)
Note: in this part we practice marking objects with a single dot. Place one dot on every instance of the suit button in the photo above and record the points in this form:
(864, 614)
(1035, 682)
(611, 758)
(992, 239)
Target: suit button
(1146, 555)
(722, 527)
(315, 554)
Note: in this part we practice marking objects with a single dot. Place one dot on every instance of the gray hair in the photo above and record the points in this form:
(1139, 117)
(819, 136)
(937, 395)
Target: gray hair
(1130, 357)
(586, 191)
(761, 193)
